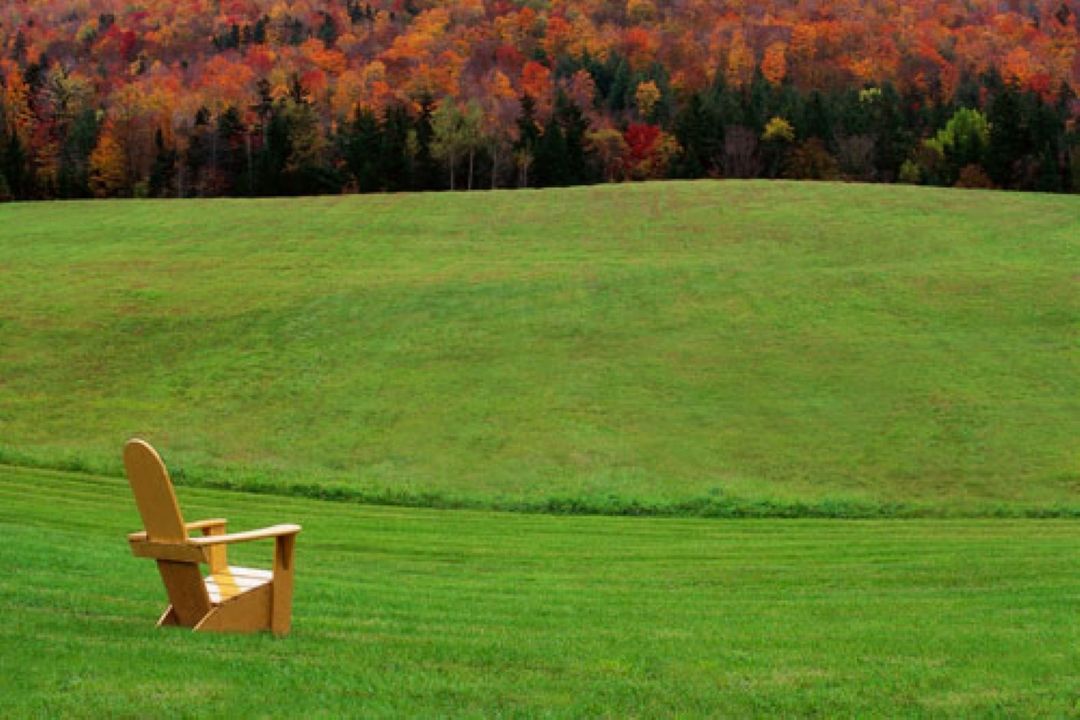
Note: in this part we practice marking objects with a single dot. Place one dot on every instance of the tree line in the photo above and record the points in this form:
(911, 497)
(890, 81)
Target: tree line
(992, 133)
(106, 98)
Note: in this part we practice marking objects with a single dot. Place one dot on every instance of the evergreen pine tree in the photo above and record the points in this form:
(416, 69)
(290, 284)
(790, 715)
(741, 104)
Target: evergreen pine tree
(699, 128)
(232, 149)
(14, 167)
(270, 161)
(528, 140)
(1009, 139)
(74, 181)
(163, 172)
(362, 147)
(396, 164)
(574, 125)
(426, 172)
(551, 166)
(818, 122)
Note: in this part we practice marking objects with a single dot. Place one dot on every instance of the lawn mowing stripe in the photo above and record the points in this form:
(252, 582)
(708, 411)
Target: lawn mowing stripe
(470, 613)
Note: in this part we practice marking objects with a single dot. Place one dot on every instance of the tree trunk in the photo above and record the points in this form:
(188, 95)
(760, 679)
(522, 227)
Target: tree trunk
(471, 154)
(213, 158)
(494, 165)
(250, 173)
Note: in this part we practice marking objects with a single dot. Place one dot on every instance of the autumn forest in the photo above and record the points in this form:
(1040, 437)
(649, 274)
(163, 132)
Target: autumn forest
(202, 98)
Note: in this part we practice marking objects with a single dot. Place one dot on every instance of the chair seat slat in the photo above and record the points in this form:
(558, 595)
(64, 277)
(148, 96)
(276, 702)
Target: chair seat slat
(223, 585)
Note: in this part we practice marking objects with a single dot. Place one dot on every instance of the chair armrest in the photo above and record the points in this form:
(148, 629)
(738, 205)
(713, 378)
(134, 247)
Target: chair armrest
(197, 525)
(204, 524)
(176, 552)
(270, 532)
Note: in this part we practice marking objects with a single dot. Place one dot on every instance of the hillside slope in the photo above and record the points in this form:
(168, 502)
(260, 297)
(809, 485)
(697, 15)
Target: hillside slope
(684, 347)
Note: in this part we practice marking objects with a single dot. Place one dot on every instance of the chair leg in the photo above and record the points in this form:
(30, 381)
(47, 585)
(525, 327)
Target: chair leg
(186, 591)
(244, 613)
(282, 587)
(168, 618)
(219, 561)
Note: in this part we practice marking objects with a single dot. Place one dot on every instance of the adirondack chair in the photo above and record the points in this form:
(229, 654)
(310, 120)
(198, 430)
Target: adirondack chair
(228, 599)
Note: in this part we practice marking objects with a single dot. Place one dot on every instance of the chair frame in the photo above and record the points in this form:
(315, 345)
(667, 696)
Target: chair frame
(246, 600)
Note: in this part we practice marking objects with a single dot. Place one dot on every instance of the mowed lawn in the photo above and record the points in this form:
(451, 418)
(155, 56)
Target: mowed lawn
(423, 613)
(680, 347)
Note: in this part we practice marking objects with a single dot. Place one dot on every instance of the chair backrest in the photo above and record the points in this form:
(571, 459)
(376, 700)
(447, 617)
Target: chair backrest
(154, 493)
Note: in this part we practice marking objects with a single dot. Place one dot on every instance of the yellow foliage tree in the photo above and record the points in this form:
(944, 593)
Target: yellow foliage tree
(612, 151)
(640, 11)
(778, 130)
(108, 168)
(774, 64)
(17, 117)
(740, 65)
(647, 96)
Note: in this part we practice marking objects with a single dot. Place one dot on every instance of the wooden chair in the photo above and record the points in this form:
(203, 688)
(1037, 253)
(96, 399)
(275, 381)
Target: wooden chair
(228, 599)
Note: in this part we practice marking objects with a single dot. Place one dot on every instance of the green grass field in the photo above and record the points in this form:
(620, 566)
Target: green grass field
(685, 348)
(718, 349)
(422, 613)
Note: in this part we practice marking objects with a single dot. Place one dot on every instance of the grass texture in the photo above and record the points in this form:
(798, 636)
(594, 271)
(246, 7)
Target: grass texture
(425, 613)
(706, 348)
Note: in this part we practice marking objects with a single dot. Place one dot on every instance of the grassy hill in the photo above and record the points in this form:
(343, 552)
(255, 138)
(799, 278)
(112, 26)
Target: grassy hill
(422, 613)
(713, 348)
